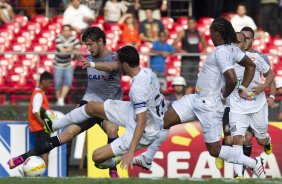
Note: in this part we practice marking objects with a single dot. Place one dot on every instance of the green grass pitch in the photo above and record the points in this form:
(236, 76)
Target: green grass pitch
(76, 180)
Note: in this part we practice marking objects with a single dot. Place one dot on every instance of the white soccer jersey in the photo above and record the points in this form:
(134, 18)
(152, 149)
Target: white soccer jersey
(240, 105)
(145, 96)
(211, 79)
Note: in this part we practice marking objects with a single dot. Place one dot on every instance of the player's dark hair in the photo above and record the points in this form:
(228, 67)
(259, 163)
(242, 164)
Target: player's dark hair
(93, 33)
(250, 30)
(225, 29)
(130, 55)
(45, 76)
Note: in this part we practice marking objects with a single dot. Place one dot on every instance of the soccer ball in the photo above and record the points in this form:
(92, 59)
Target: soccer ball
(34, 166)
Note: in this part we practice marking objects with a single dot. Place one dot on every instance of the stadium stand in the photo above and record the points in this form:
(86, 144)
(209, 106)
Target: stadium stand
(19, 72)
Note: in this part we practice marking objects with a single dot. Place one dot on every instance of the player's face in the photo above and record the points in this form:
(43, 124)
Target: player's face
(192, 24)
(178, 89)
(249, 40)
(93, 47)
(241, 41)
(214, 37)
(47, 83)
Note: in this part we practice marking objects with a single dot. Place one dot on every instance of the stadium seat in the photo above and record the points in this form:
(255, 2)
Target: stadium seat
(23, 40)
(205, 20)
(58, 19)
(33, 27)
(4, 42)
(182, 20)
(38, 48)
(168, 22)
(6, 33)
(12, 26)
(21, 20)
(18, 47)
(42, 20)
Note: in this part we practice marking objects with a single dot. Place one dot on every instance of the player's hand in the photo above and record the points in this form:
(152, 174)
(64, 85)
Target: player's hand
(126, 160)
(244, 94)
(85, 62)
(270, 102)
(259, 88)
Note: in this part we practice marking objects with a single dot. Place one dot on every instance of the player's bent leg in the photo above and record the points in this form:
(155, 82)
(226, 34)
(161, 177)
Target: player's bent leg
(213, 148)
(95, 109)
(171, 118)
(104, 157)
(69, 133)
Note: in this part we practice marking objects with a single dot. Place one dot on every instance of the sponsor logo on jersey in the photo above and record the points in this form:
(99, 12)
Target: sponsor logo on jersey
(101, 77)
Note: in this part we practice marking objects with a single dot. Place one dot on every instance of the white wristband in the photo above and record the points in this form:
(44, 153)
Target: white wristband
(272, 96)
(242, 87)
(222, 97)
(92, 64)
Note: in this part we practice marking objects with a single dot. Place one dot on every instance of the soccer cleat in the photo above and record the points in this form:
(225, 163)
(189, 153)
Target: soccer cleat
(104, 166)
(219, 162)
(258, 170)
(268, 149)
(48, 120)
(14, 162)
(141, 162)
(113, 173)
(238, 177)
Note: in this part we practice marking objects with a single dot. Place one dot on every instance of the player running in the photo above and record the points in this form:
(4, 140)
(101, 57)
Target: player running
(216, 81)
(250, 115)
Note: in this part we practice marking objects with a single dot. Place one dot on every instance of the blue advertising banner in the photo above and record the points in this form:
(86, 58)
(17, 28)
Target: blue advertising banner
(15, 139)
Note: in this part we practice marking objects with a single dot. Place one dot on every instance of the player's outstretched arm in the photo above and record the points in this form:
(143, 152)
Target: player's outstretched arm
(127, 158)
(103, 66)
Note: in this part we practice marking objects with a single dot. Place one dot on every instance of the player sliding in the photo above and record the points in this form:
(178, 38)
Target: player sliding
(142, 116)
(216, 81)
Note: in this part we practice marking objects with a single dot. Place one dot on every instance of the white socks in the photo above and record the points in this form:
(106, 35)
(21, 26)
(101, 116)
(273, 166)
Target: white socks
(238, 168)
(77, 115)
(232, 155)
(154, 147)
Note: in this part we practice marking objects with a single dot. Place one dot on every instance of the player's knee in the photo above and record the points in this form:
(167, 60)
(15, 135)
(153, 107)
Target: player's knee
(238, 140)
(214, 153)
(90, 108)
(214, 148)
(262, 142)
(96, 157)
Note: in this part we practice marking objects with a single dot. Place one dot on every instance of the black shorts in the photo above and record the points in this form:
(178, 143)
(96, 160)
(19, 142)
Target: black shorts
(226, 125)
(225, 121)
(40, 136)
(90, 122)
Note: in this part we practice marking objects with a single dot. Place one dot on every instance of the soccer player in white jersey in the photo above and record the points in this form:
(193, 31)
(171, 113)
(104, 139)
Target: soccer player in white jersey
(142, 116)
(216, 81)
(253, 112)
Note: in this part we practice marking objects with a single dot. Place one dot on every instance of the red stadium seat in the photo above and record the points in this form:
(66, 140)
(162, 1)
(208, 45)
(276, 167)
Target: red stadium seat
(23, 40)
(5, 42)
(42, 20)
(168, 22)
(33, 27)
(58, 19)
(12, 26)
(205, 20)
(56, 27)
(18, 47)
(38, 48)
(182, 20)
(21, 20)
(6, 33)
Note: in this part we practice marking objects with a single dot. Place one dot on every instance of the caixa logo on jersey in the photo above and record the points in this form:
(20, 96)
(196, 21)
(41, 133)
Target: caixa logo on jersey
(101, 77)
(15, 139)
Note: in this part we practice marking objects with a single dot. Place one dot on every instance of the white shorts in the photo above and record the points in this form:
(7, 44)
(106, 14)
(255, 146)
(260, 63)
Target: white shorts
(189, 107)
(121, 113)
(258, 121)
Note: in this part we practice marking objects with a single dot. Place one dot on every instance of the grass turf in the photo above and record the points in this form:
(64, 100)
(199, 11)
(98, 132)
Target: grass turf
(76, 180)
